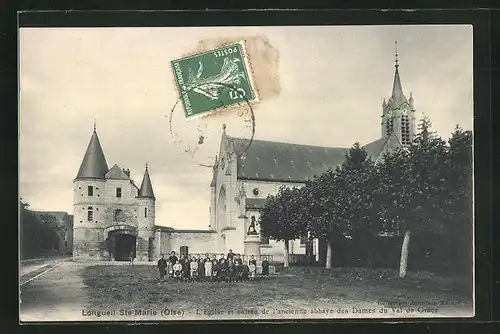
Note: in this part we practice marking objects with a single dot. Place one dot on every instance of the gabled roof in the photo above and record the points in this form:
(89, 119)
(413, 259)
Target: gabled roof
(146, 189)
(116, 173)
(286, 162)
(94, 165)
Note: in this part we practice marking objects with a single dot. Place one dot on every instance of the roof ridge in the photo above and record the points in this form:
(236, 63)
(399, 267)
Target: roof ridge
(289, 143)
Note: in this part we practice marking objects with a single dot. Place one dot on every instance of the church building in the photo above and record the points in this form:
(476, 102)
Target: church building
(241, 182)
(113, 217)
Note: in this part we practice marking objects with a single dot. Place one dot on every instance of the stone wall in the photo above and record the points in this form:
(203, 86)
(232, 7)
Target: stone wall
(265, 188)
(89, 242)
(196, 241)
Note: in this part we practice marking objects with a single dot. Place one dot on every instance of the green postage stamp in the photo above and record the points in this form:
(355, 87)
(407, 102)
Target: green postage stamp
(215, 79)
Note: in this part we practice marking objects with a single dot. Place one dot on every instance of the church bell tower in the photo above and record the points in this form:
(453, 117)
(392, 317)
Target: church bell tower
(398, 114)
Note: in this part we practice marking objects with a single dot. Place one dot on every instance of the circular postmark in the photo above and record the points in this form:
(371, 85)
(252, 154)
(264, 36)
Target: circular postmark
(199, 138)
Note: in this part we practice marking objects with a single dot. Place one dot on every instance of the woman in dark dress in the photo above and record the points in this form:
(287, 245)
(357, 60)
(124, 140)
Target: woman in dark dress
(201, 268)
(244, 272)
(185, 269)
(230, 270)
(222, 270)
(265, 267)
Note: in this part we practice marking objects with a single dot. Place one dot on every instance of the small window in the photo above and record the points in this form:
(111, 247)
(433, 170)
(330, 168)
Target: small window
(90, 215)
(90, 191)
(118, 215)
(145, 212)
(119, 192)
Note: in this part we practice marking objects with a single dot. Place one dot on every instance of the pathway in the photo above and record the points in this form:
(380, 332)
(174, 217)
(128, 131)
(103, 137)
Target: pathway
(57, 293)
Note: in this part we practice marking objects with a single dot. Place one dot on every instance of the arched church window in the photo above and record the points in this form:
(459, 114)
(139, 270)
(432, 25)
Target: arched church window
(405, 130)
(117, 215)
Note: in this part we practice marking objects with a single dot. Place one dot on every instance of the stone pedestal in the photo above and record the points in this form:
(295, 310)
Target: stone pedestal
(252, 245)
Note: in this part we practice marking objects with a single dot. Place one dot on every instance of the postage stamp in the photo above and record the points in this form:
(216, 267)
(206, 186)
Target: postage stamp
(211, 80)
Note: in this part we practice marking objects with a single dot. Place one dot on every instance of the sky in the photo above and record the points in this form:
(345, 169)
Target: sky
(333, 80)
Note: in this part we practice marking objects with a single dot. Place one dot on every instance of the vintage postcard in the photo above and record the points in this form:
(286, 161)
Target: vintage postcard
(246, 173)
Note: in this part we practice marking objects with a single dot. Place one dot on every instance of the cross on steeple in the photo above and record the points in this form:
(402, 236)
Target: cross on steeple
(94, 126)
(396, 58)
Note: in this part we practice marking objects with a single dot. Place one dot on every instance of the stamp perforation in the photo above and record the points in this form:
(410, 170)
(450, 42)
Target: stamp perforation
(247, 67)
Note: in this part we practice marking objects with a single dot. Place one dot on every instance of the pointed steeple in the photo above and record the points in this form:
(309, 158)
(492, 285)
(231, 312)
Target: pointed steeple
(94, 165)
(146, 189)
(397, 97)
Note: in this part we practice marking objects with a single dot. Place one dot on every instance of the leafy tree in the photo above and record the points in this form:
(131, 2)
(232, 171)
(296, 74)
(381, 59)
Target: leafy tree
(328, 202)
(38, 234)
(458, 201)
(358, 173)
(281, 218)
(414, 182)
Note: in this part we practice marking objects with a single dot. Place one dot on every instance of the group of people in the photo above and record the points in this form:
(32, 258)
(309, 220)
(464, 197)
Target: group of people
(195, 268)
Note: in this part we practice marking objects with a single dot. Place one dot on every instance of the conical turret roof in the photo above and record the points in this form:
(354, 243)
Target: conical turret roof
(94, 165)
(146, 189)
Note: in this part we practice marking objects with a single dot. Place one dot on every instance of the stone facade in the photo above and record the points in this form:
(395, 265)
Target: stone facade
(190, 241)
(242, 180)
(113, 218)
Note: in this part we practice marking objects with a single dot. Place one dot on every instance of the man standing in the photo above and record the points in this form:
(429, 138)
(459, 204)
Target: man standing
(162, 267)
(230, 255)
(172, 260)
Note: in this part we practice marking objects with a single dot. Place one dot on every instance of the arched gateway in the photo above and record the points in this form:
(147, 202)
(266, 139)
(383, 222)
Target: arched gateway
(121, 241)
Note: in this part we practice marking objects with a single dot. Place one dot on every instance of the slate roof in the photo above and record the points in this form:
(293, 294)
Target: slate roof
(116, 173)
(94, 165)
(146, 189)
(286, 162)
(255, 203)
(397, 98)
(375, 148)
